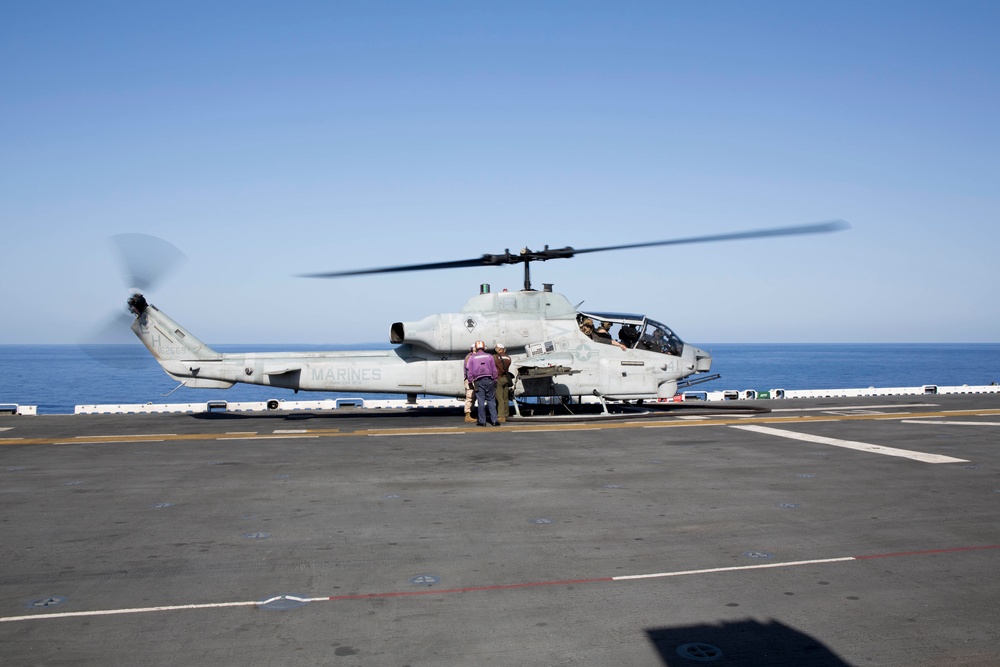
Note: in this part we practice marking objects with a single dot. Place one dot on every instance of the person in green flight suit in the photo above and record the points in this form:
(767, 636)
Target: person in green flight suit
(502, 361)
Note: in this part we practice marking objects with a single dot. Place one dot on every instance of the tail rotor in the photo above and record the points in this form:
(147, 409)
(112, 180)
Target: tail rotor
(144, 261)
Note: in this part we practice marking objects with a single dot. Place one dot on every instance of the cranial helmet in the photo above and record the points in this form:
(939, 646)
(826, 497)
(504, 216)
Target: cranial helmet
(480, 345)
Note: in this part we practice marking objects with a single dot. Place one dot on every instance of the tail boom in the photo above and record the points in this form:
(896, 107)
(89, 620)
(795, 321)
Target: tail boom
(188, 360)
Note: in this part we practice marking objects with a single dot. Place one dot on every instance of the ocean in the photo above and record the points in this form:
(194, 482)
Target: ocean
(58, 377)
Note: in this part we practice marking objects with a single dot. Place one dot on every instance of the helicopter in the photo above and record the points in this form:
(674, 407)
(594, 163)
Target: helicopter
(634, 358)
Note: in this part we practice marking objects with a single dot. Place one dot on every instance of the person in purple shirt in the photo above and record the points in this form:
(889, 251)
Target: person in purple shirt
(481, 372)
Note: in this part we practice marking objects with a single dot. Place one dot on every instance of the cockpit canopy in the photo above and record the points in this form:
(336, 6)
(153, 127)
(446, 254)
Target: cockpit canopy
(636, 332)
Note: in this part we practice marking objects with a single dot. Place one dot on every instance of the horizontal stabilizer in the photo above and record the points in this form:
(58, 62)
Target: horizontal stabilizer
(282, 370)
(202, 383)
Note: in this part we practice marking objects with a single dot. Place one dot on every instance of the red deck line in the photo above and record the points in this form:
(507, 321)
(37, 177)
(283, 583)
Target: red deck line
(496, 587)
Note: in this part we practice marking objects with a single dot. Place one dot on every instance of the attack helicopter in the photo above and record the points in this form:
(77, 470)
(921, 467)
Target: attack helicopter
(633, 358)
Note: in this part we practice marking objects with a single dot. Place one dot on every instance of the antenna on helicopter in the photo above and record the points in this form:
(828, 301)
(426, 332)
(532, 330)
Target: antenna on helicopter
(527, 255)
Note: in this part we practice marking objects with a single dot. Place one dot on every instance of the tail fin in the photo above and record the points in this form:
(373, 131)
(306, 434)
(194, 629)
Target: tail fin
(183, 357)
(165, 338)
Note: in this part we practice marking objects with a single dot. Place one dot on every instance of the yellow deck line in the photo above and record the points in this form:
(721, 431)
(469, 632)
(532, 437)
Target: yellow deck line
(507, 428)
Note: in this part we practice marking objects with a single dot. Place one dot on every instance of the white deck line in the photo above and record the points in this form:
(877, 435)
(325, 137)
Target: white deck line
(734, 568)
(852, 444)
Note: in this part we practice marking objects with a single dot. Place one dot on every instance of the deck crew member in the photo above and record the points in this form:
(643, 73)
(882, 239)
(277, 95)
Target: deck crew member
(502, 361)
(470, 391)
(481, 372)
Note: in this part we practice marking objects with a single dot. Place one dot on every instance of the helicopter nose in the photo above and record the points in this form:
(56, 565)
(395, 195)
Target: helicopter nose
(702, 359)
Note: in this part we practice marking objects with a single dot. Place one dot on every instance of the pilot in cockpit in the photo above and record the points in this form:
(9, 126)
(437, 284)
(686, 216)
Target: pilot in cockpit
(628, 335)
(663, 343)
(602, 335)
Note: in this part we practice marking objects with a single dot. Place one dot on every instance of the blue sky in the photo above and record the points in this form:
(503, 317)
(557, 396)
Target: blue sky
(271, 139)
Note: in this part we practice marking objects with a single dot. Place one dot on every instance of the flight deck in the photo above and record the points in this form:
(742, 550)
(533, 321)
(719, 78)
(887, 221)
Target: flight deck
(809, 532)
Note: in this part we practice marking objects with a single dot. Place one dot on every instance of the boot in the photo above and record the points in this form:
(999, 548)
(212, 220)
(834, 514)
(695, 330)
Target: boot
(469, 419)
(501, 419)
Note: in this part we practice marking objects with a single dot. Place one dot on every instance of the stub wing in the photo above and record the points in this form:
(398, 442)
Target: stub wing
(531, 373)
(549, 365)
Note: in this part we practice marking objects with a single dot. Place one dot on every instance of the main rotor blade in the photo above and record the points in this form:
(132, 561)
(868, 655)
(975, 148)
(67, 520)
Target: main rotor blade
(458, 264)
(526, 255)
(815, 228)
(145, 259)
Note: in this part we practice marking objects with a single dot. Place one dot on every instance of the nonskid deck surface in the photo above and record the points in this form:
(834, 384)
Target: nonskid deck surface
(824, 532)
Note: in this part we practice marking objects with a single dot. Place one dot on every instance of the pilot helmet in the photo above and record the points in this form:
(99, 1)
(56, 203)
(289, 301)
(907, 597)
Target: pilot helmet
(605, 324)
